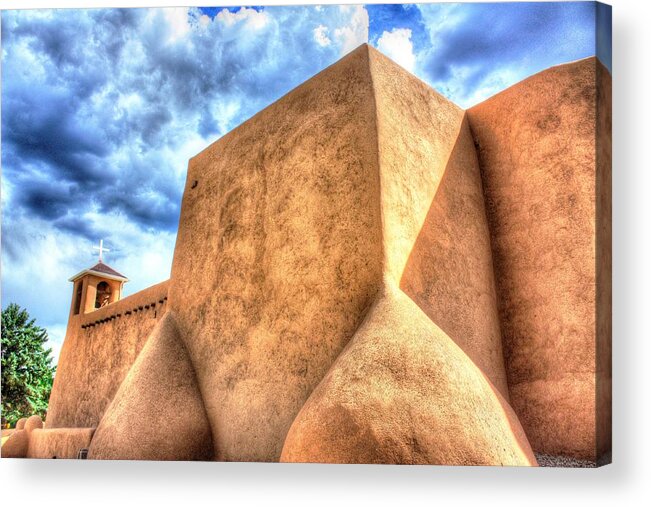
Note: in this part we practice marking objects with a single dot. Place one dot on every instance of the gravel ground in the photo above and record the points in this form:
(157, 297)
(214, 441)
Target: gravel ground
(545, 460)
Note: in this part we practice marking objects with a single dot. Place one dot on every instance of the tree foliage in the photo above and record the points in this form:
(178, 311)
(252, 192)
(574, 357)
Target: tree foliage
(27, 371)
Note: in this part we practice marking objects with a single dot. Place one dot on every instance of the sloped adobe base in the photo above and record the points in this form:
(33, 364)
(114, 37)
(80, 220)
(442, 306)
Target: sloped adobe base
(157, 413)
(403, 392)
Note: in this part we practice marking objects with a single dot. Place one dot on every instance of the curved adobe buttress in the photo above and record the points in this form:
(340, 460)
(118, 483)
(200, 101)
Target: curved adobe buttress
(403, 392)
(158, 413)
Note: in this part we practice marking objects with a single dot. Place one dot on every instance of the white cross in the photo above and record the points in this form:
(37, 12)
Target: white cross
(101, 249)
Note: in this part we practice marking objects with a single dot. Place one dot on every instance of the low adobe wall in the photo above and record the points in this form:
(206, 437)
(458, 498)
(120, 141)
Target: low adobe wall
(98, 351)
(17, 445)
(58, 443)
(33, 441)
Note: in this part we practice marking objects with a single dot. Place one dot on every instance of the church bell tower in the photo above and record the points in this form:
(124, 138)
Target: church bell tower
(96, 287)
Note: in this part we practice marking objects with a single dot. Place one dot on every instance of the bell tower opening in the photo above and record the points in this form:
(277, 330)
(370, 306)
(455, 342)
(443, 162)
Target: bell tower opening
(103, 296)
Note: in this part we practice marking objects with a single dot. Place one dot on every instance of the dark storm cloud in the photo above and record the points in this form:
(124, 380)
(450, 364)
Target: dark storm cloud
(148, 213)
(48, 200)
(80, 227)
(230, 62)
(39, 124)
(57, 147)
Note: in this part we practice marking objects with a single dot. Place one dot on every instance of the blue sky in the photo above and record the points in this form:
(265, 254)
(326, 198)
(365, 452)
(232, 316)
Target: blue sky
(102, 108)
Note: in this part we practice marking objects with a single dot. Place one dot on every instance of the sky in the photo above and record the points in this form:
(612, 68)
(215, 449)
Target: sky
(102, 108)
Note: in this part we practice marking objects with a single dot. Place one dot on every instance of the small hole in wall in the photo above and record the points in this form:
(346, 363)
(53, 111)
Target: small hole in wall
(194, 184)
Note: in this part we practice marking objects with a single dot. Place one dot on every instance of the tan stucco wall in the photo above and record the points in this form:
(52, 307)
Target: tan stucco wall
(436, 238)
(292, 222)
(404, 392)
(278, 255)
(536, 143)
(16, 445)
(95, 358)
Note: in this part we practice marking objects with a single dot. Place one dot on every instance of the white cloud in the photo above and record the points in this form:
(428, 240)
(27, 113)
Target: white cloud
(252, 18)
(38, 280)
(321, 36)
(397, 45)
(204, 20)
(355, 32)
(178, 22)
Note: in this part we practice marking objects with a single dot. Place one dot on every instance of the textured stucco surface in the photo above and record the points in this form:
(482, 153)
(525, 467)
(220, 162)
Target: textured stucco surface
(95, 359)
(157, 414)
(536, 143)
(278, 255)
(16, 445)
(32, 423)
(403, 392)
(417, 129)
(435, 234)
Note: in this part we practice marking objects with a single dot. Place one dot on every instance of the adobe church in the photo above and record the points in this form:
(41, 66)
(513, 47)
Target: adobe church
(364, 273)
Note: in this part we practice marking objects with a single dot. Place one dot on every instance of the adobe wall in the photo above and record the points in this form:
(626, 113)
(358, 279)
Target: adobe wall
(435, 232)
(536, 143)
(278, 255)
(59, 443)
(97, 353)
(158, 412)
(31, 440)
(290, 224)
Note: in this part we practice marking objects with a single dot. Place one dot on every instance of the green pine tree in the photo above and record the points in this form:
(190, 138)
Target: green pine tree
(27, 371)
